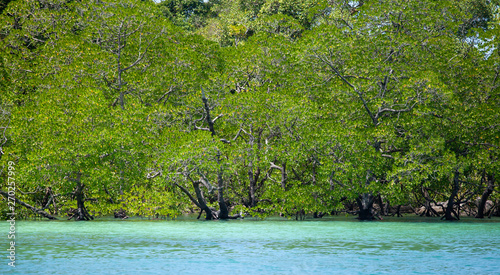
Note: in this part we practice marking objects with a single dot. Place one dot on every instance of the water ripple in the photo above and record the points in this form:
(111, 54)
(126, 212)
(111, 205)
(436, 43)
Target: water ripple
(255, 247)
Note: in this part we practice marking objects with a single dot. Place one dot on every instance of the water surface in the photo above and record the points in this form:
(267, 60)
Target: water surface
(253, 247)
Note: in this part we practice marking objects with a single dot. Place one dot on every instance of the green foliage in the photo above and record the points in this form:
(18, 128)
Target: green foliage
(306, 106)
(188, 14)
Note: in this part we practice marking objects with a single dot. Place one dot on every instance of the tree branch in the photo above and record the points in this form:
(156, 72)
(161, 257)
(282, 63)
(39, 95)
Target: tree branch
(360, 95)
(207, 111)
(34, 209)
(185, 191)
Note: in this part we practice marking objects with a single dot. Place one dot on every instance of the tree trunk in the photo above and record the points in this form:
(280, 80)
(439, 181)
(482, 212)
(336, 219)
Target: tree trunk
(365, 204)
(484, 198)
(380, 202)
(210, 122)
(398, 211)
(201, 201)
(429, 210)
(224, 212)
(451, 201)
(81, 212)
(252, 180)
(300, 215)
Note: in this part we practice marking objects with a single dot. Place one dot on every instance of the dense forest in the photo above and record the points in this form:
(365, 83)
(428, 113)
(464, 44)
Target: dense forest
(233, 108)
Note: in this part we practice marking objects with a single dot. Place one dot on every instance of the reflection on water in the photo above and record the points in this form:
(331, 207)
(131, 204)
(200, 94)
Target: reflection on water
(254, 247)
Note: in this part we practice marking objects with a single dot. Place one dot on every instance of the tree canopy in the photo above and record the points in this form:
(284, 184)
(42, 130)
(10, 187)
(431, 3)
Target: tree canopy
(257, 108)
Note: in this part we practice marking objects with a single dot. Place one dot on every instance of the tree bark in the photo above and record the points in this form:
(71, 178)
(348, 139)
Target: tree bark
(251, 179)
(252, 187)
(429, 210)
(81, 211)
(224, 212)
(484, 198)
(210, 122)
(254, 177)
(451, 201)
(365, 204)
(201, 201)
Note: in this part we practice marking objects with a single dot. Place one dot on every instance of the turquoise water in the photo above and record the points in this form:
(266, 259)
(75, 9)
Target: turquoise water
(253, 247)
